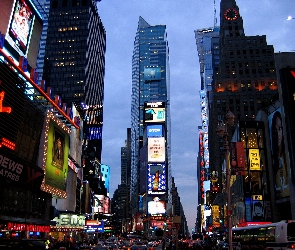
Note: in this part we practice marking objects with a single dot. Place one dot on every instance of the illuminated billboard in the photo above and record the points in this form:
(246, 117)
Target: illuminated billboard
(152, 74)
(154, 112)
(22, 25)
(55, 156)
(99, 203)
(154, 131)
(156, 149)
(93, 115)
(156, 179)
(279, 161)
(287, 79)
(92, 226)
(156, 206)
(94, 133)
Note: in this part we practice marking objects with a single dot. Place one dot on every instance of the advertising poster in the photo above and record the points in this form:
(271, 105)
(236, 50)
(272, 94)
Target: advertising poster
(154, 112)
(156, 178)
(156, 149)
(287, 79)
(237, 158)
(279, 163)
(257, 208)
(57, 157)
(20, 26)
(155, 131)
(156, 206)
(254, 158)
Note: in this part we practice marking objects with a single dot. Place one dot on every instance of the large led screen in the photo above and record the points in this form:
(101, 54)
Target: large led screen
(152, 74)
(156, 206)
(156, 178)
(156, 149)
(154, 112)
(154, 131)
(154, 115)
(22, 25)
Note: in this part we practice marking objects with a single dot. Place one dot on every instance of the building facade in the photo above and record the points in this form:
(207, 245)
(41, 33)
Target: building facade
(150, 107)
(74, 68)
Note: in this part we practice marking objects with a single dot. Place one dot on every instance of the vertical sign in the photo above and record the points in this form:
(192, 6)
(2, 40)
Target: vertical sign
(254, 158)
(287, 79)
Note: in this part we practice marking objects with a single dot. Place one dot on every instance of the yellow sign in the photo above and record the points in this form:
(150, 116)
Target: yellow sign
(257, 197)
(254, 159)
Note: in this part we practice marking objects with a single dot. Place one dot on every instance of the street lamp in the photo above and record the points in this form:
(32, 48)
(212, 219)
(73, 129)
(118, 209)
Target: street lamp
(290, 18)
(221, 130)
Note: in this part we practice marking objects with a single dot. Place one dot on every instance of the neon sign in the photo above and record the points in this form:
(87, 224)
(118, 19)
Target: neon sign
(3, 109)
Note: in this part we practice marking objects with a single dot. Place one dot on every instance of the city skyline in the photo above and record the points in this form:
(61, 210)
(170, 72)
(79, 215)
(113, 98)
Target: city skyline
(268, 19)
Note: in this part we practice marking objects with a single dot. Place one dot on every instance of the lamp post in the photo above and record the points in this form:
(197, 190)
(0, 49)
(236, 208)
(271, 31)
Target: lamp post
(221, 130)
(290, 18)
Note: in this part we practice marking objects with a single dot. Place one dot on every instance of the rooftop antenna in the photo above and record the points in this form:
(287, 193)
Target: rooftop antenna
(215, 18)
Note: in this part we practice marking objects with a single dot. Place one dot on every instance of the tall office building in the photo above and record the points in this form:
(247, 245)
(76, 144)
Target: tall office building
(244, 82)
(74, 68)
(207, 40)
(74, 64)
(150, 107)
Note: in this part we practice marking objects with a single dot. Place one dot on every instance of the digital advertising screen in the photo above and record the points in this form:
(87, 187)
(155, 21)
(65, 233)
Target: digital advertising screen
(56, 160)
(93, 115)
(22, 25)
(99, 203)
(154, 112)
(94, 226)
(156, 206)
(94, 133)
(156, 149)
(155, 131)
(156, 179)
(154, 115)
(152, 74)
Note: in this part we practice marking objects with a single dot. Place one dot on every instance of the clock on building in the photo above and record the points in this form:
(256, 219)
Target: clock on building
(231, 14)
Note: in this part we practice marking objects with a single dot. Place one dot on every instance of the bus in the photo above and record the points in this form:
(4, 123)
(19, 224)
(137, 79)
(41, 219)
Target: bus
(273, 236)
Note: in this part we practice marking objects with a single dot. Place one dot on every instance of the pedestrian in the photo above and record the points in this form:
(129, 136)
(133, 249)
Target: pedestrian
(163, 244)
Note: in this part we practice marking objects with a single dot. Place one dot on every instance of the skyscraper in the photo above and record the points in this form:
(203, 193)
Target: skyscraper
(74, 68)
(207, 41)
(75, 52)
(150, 98)
(245, 80)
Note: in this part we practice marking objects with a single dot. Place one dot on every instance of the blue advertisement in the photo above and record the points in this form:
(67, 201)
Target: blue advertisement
(154, 131)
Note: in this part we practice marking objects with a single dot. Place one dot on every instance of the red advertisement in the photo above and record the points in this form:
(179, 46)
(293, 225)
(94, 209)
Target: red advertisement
(237, 158)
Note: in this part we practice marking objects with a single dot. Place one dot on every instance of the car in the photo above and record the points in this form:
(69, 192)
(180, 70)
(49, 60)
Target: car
(100, 247)
(111, 246)
(34, 244)
(138, 247)
(124, 245)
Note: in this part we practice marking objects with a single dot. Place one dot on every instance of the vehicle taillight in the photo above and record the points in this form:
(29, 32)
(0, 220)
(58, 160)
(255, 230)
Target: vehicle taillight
(291, 246)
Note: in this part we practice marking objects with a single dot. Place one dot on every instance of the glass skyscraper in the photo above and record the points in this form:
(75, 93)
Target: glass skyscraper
(150, 84)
